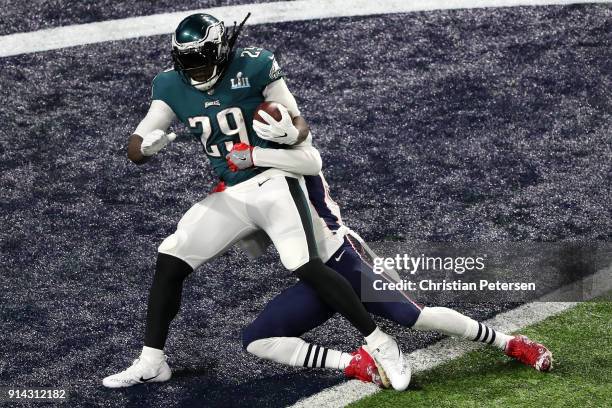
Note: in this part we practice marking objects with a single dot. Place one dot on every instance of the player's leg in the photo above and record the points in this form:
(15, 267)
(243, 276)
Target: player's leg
(273, 335)
(205, 231)
(281, 209)
(400, 308)
(452, 323)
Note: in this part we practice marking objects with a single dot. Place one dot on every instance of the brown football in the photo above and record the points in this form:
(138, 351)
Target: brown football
(271, 108)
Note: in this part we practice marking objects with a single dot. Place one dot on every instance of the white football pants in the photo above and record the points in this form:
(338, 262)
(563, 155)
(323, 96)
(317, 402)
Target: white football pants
(273, 203)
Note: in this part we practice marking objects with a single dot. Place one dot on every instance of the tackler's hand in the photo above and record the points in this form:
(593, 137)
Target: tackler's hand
(240, 157)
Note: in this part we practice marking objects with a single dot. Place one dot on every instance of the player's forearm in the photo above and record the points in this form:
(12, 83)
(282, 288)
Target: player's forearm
(158, 118)
(304, 160)
(302, 126)
(134, 151)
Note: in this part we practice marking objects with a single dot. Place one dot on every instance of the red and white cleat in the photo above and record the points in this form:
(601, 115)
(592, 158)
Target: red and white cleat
(529, 352)
(363, 367)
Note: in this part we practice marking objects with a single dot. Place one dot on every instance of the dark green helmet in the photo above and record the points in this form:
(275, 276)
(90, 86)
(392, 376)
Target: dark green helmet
(201, 49)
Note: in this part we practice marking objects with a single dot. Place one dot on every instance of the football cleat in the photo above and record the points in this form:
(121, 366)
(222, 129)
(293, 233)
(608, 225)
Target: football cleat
(392, 367)
(362, 367)
(529, 352)
(140, 372)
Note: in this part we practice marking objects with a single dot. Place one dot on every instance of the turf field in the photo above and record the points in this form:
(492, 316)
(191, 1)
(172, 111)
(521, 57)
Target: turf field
(481, 125)
(581, 375)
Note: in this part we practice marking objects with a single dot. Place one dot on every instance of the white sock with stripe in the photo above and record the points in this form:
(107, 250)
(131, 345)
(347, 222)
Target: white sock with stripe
(453, 323)
(486, 334)
(319, 356)
(296, 352)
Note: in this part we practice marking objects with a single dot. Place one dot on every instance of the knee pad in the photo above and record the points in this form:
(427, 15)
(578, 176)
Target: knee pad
(284, 350)
(262, 348)
(176, 245)
(173, 243)
(262, 329)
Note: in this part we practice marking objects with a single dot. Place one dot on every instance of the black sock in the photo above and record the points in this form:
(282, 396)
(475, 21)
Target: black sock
(337, 292)
(164, 298)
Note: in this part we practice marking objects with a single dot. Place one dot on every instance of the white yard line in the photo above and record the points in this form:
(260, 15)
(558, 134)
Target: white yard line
(276, 12)
(451, 348)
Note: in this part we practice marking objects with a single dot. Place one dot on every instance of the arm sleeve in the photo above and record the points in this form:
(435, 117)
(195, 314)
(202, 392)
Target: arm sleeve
(159, 116)
(278, 91)
(300, 159)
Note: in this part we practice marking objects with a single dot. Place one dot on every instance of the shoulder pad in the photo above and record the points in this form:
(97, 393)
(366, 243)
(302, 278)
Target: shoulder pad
(163, 84)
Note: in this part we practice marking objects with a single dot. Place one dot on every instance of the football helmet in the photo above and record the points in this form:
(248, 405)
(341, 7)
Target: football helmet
(201, 49)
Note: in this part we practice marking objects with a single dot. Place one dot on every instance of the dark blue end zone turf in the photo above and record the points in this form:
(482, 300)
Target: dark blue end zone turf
(471, 125)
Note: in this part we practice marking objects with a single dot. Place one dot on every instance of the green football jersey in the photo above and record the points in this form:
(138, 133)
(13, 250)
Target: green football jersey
(223, 115)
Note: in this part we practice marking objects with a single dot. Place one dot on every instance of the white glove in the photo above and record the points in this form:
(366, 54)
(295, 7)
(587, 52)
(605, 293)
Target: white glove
(155, 141)
(282, 131)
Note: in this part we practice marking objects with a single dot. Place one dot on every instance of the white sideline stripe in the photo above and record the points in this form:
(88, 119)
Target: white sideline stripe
(276, 12)
(451, 348)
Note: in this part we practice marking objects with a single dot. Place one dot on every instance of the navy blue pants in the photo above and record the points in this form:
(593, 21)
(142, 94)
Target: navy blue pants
(298, 309)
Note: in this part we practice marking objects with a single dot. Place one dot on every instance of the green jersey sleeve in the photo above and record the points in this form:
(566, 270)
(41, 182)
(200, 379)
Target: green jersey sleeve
(164, 87)
(261, 67)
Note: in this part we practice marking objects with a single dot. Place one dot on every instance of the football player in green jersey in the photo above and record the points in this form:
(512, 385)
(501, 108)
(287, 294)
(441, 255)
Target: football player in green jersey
(214, 89)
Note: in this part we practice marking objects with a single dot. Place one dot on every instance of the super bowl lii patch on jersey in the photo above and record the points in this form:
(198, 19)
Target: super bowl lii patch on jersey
(240, 81)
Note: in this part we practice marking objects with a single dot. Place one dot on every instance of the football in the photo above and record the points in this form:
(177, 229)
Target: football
(271, 108)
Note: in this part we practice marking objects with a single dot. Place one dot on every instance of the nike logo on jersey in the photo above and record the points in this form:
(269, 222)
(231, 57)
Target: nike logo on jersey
(147, 379)
(242, 158)
(260, 184)
(339, 256)
(285, 135)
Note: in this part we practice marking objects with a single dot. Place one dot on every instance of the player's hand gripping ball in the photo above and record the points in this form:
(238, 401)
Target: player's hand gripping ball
(272, 122)
(240, 157)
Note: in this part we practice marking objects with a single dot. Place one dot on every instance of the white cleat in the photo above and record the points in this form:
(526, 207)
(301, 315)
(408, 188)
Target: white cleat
(140, 372)
(391, 364)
